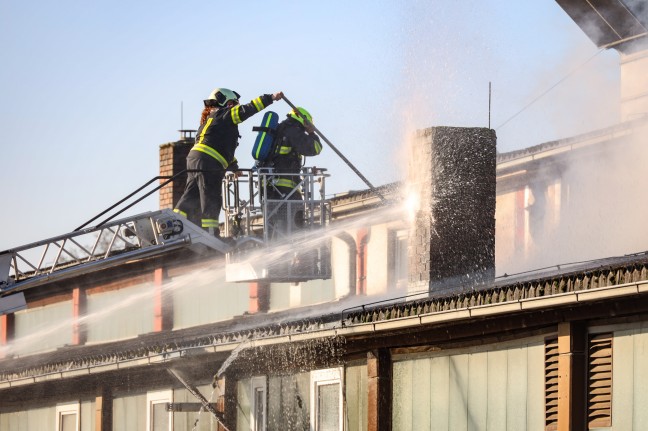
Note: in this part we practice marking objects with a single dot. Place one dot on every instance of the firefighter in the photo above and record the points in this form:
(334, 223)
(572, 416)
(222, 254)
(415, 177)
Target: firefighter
(295, 139)
(213, 154)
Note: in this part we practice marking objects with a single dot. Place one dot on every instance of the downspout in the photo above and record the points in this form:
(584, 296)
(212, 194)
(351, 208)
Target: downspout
(350, 242)
(362, 237)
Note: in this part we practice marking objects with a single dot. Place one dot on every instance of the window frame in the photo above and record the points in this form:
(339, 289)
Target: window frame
(158, 397)
(258, 382)
(325, 377)
(68, 408)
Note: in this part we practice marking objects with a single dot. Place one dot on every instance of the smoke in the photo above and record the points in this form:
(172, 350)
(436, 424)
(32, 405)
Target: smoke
(594, 208)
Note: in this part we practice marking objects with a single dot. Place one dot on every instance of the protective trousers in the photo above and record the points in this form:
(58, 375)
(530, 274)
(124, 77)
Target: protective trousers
(202, 198)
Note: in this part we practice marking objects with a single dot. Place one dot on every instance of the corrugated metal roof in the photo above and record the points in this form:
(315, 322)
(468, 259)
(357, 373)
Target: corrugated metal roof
(318, 322)
(607, 22)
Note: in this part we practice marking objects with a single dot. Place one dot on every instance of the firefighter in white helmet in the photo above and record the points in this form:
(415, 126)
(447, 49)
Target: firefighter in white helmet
(213, 154)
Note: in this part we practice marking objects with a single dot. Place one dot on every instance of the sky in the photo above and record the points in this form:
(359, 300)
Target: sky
(89, 90)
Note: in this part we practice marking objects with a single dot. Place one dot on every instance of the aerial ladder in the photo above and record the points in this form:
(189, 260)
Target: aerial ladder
(265, 238)
(253, 226)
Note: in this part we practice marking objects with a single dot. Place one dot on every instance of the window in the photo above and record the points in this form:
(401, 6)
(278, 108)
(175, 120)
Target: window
(326, 400)
(401, 264)
(157, 416)
(258, 400)
(67, 417)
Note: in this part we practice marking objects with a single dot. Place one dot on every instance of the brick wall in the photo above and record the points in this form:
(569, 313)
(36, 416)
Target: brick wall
(452, 245)
(173, 159)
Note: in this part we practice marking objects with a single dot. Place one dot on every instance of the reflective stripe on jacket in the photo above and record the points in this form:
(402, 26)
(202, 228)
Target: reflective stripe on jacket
(218, 137)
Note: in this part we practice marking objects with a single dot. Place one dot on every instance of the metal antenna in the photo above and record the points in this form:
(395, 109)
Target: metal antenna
(489, 103)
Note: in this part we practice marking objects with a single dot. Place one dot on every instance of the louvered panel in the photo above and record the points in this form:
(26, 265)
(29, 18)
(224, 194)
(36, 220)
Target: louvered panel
(599, 384)
(551, 384)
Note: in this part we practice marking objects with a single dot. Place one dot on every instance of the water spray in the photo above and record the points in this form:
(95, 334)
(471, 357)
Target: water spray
(196, 393)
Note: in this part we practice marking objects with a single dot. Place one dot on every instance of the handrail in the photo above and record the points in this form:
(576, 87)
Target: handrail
(159, 177)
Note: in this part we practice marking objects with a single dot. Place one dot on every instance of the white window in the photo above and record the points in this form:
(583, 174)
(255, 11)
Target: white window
(67, 417)
(401, 264)
(326, 400)
(157, 416)
(258, 400)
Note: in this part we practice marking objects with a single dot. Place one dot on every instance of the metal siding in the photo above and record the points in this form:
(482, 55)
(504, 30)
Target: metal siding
(18, 421)
(43, 328)
(120, 314)
(356, 397)
(377, 263)
(497, 390)
(288, 402)
(243, 411)
(458, 397)
(340, 266)
(421, 393)
(317, 291)
(440, 390)
(478, 391)
(279, 296)
(535, 388)
(87, 415)
(129, 412)
(200, 299)
(622, 379)
(186, 421)
(640, 379)
(302, 384)
(402, 395)
(516, 389)
(34, 419)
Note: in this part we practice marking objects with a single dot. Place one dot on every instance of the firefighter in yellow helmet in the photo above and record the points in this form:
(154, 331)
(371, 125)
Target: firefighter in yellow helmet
(295, 139)
(213, 154)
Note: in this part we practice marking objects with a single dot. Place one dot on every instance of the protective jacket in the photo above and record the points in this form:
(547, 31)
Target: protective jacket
(218, 137)
(292, 143)
(211, 155)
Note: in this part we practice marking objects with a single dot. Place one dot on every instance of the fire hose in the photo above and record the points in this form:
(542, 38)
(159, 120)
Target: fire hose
(353, 168)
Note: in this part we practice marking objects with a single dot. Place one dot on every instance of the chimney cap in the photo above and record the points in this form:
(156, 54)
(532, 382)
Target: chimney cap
(187, 134)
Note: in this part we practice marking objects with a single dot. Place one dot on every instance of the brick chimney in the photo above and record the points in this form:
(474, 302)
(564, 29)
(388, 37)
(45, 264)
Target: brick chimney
(452, 243)
(173, 159)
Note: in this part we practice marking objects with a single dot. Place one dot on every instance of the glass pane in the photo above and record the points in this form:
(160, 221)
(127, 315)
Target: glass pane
(160, 417)
(328, 407)
(68, 422)
(259, 400)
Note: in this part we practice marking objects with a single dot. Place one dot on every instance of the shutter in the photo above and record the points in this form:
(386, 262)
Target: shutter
(599, 381)
(551, 384)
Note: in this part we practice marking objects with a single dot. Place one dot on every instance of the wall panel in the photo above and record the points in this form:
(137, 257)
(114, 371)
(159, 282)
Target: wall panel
(43, 328)
(471, 389)
(120, 314)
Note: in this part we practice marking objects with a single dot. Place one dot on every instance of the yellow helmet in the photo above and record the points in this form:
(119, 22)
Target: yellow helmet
(302, 114)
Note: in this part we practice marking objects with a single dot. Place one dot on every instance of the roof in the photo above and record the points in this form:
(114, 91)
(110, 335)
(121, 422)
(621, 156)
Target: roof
(610, 23)
(580, 285)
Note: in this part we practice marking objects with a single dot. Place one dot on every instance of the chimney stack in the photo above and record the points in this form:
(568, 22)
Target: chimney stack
(452, 244)
(173, 159)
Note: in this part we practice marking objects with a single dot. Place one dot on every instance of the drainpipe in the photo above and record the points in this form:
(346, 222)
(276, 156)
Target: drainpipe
(350, 242)
(362, 237)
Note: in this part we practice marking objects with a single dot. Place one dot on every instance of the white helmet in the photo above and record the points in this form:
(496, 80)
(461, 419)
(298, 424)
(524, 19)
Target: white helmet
(220, 97)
